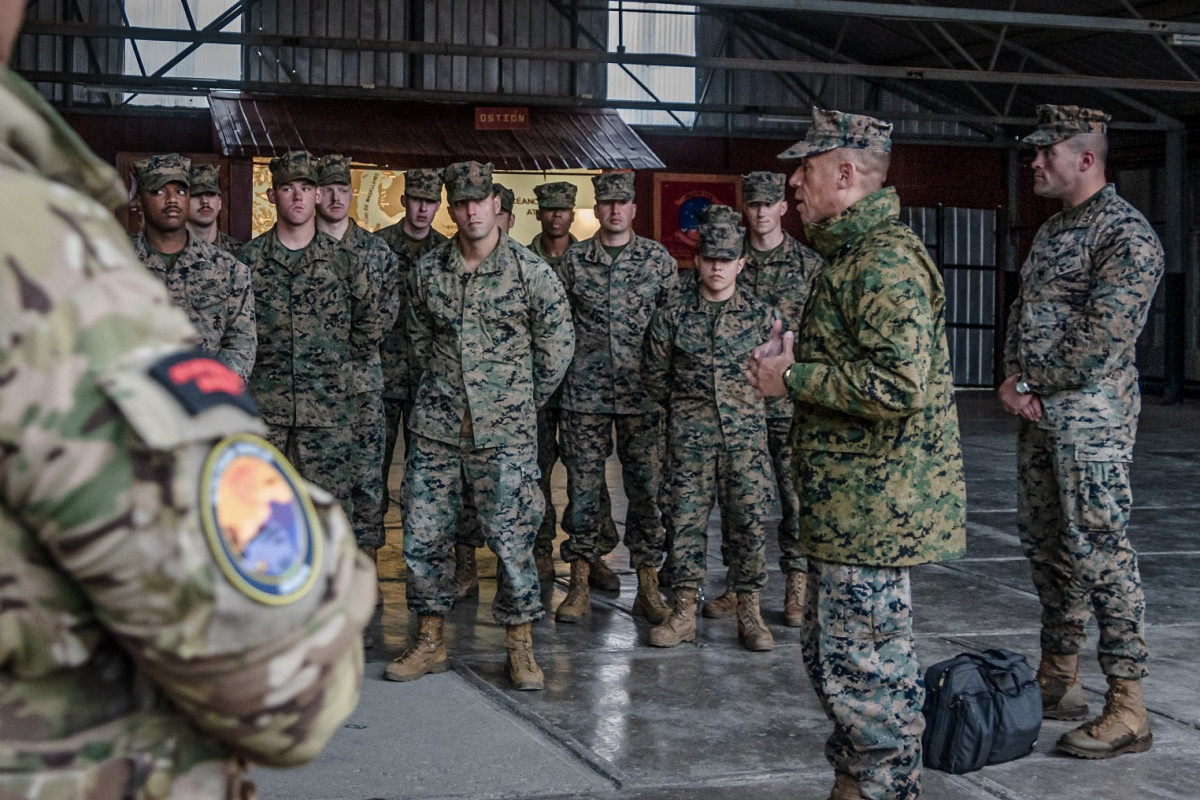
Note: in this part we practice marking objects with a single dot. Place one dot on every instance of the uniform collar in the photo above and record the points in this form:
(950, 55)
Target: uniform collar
(831, 235)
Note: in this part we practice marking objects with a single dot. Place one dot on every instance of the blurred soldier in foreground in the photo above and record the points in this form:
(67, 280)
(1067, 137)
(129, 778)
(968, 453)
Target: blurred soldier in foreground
(779, 271)
(205, 208)
(614, 281)
(318, 319)
(1086, 289)
(878, 465)
(174, 600)
(208, 283)
(492, 332)
(696, 353)
(369, 427)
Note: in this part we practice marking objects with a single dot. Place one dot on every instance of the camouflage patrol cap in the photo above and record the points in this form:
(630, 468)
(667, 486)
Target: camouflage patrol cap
(155, 172)
(294, 165)
(763, 187)
(613, 186)
(333, 169)
(468, 180)
(559, 194)
(1059, 123)
(507, 197)
(205, 179)
(425, 184)
(833, 129)
(717, 213)
(720, 236)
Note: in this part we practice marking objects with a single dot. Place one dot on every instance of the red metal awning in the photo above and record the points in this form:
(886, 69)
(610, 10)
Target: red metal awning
(402, 135)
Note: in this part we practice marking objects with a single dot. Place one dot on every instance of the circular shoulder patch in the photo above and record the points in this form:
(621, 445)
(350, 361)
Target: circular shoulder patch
(259, 520)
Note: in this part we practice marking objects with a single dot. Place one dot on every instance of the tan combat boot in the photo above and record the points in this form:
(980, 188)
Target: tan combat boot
(793, 599)
(466, 572)
(602, 578)
(425, 657)
(578, 600)
(752, 631)
(1062, 694)
(680, 626)
(649, 602)
(845, 787)
(721, 607)
(1124, 727)
(523, 671)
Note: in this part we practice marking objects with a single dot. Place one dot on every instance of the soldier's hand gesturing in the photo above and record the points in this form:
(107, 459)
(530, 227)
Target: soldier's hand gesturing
(768, 362)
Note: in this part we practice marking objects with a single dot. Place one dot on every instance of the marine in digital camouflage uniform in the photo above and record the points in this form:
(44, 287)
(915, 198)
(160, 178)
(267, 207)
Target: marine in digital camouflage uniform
(1086, 289)
(319, 317)
(779, 271)
(697, 349)
(505, 218)
(205, 208)
(492, 332)
(369, 424)
(209, 284)
(878, 464)
(410, 239)
(613, 280)
(132, 663)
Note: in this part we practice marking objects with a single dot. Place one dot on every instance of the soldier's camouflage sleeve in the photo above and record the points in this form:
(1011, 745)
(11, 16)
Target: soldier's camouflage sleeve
(895, 339)
(420, 325)
(552, 331)
(101, 469)
(239, 343)
(368, 309)
(656, 354)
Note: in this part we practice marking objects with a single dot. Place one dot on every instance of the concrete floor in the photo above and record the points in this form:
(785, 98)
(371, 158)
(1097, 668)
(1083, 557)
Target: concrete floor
(623, 720)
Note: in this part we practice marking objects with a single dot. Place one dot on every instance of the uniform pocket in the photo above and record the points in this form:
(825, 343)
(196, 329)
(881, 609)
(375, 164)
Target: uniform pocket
(1103, 496)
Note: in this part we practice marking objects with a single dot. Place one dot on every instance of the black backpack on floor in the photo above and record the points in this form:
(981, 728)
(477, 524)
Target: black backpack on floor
(980, 708)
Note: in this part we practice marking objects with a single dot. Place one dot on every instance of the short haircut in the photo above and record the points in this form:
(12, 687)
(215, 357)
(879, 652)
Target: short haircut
(872, 164)
(1096, 142)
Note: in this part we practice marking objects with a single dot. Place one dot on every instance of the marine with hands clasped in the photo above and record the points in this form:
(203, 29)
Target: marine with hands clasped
(492, 333)
(1086, 290)
(208, 283)
(781, 272)
(175, 601)
(877, 459)
(614, 281)
(697, 349)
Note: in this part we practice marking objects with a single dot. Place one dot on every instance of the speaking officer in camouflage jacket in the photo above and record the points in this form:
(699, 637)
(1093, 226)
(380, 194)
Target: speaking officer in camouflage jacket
(410, 238)
(209, 284)
(318, 317)
(204, 208)
(614, 281)
(779, 271)
(1086, 289)
(878, 463)
(493, 335)
(697, 349)
(139, 657)
(370, 428)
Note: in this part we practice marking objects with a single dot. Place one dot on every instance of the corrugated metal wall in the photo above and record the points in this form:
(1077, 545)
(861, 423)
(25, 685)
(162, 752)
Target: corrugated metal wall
(535, 24)
(68, 54)
(962, 242)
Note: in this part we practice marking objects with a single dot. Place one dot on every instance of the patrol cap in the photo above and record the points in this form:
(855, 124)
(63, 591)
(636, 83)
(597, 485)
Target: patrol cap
(559, 194)
(763, 187)
(1059, 123)
(155, 172)
(720, 236)
(468, 180)
(613, 186)
(206, 179)
(833, 129)
(507, 197)
(333, 169)
(294, 165)
(425, 184)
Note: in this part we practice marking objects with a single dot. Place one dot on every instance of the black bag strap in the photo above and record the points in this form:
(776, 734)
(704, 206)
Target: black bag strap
(997, 666)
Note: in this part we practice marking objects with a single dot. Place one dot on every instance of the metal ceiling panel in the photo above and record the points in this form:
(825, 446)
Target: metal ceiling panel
(404, 135)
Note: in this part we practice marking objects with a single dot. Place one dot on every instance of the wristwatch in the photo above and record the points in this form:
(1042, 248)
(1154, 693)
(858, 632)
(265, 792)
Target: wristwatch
(1023, 387)
(787, 375)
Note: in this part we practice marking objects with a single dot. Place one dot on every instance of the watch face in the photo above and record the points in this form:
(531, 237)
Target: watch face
(1022, 387)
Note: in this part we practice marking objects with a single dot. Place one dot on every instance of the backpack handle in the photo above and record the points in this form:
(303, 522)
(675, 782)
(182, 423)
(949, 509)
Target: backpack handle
(997, 666)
